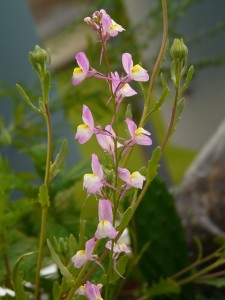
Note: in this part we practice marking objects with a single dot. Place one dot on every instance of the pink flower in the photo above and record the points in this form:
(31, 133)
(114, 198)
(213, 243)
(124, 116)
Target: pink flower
(120, 89)
(139, 135)
(105, 139)
(84, 70)
(136, 72)
(109, 26)
(105, 215)
(118, 248)
(104, 25)
(81, 72)
(95, 181)
(82, 256)
(86, 130)
(92, 291)
(135, 179)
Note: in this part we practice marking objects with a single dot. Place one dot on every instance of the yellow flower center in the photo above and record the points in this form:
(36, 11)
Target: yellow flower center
(83, 126)
(139, 131)
(77, 71)
(80, 252)
(134, 174)
(136, 68)
(114, 26)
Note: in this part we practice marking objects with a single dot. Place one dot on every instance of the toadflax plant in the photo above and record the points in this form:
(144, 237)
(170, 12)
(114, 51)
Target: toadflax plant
(93, 267)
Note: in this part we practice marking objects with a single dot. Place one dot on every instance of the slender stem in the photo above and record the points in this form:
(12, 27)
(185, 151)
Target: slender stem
(157, 64)
(201, 272)
(7, 268)
(198, 262)
(44, 210)
(153, 76)
(110, 266)
(173, 115)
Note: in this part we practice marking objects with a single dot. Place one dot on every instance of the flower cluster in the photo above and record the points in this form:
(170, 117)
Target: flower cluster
(108, 193)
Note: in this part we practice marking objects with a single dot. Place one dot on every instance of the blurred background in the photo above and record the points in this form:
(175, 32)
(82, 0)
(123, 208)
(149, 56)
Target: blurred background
(57, 25)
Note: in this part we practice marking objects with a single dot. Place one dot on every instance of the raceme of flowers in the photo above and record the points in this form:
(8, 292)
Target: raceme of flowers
(97, 182)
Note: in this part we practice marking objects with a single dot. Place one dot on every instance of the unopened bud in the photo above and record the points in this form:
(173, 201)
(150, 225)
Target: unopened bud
(179, 50)
(40, 55)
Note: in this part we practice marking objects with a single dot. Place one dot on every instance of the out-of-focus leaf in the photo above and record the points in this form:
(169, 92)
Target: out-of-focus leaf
(163, 287)
(153, 164)
(59, 160)
(17, 278)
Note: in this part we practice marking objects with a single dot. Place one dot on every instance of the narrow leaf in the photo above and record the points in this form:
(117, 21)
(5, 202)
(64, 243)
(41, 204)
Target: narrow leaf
(120, 267)
(125, 219)
(160, 102)
(17, 278)
(188, 79)
(128, 113)
(63, 269)
(180, 107)
(26, 98)
(59, 160)
(165, 86)
(153, 164)
(43, 196)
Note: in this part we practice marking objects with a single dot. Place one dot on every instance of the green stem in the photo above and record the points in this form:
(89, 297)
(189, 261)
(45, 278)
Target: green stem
(173, 115)
(44, 210)
(7, 268)
(157, 64)
(198, 262)
(201, 272)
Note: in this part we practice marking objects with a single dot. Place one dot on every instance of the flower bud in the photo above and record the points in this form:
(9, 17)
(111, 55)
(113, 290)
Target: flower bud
(40, 55)
(178, 50)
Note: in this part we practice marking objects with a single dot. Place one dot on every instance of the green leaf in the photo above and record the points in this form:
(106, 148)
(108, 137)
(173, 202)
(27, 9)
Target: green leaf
(17, 278)
(43, 196)
(165, 86)
(26, 98)
(163, 287)
(128, 113)
(59, 160)
(153, 164)
(125, 219)
(63, 269)
(216, 282)
(188, 79)
(180, 107)
(121, 267)
(160, 102)
(42, 107)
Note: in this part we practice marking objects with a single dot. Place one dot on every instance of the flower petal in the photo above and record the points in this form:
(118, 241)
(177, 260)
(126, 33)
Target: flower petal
(87, 117)
(82, 62)
(137, 180)
(127, 62)
(124, 174)
(105, 229)
(139, 74)
(89, 247)
(92, 183)
(79, 259)
(84, 133)
(142, 137)
(105, 210)
(131, 127)
(96, 167)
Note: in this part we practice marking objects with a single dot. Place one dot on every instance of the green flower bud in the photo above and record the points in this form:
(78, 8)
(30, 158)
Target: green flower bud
(40, 55)
(179, 50)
